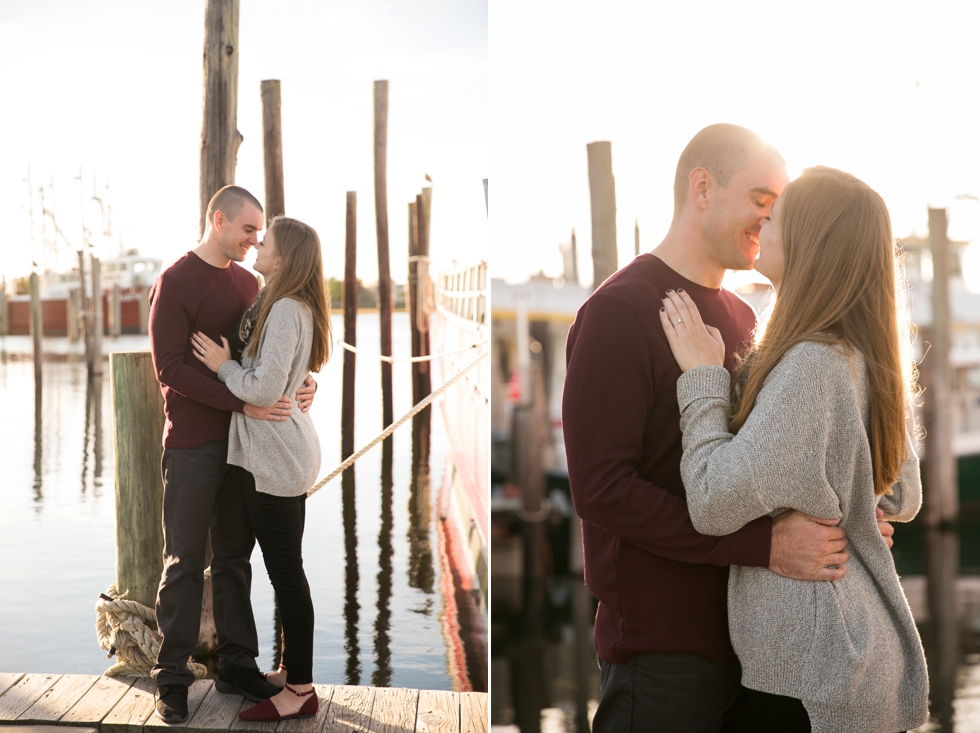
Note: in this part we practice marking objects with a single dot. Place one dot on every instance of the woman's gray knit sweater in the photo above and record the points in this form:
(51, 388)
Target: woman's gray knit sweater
(848, 649)
(284, 457)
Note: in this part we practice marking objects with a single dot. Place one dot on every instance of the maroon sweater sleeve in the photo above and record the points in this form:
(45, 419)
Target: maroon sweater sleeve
(170, 333)
(607, 402)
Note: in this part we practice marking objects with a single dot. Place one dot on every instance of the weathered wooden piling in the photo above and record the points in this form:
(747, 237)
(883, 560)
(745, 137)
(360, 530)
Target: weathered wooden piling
(220, 137)
(95, 361)
(421, 378)
(636, 238)
(4, 309)
(275, 197)
(83, 306)
(137, 407)
(73, 329)
(941, 500)
(144, 303)
(37, 325)
(115, 311)
(602, 191)
(350, 329)
(381, 222)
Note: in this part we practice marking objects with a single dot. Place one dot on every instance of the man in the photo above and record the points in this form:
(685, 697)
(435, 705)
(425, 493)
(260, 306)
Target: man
(206, 291)
(661, 631)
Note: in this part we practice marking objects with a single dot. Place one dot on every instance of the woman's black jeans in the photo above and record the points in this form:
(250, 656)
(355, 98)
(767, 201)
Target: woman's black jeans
(278, 523)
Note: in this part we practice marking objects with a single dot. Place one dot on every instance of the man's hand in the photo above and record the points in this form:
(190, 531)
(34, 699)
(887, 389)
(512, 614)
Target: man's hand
(885, 528)
(807, 548)
(276, 413)
(304, 395)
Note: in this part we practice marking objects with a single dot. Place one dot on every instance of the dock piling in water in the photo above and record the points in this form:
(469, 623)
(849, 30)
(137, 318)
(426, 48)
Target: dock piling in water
(381, 220)
(37, 325)
(350, 329)
(275, 196)
(220, 138)
(602, 191)
(137, 407)
(95, 358)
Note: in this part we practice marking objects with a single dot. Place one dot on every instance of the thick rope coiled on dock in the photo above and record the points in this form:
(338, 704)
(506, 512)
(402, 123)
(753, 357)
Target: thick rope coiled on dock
(391, 428)
(127, 630)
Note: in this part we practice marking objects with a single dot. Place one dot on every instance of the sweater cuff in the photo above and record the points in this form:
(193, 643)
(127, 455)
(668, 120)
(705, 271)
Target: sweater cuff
(225, 370)
(752, 545)
(703, 381)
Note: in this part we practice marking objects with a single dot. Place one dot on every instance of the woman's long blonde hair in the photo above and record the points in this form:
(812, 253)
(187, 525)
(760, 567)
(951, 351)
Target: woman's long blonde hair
(841, 284)
(300, 276)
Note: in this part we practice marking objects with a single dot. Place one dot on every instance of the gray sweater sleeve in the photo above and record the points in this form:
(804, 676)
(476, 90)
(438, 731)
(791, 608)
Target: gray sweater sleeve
(906, 498)
(265, 382)
(776, 461)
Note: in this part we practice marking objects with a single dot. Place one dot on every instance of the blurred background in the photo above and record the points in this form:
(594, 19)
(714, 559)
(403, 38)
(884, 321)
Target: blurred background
(590, 110)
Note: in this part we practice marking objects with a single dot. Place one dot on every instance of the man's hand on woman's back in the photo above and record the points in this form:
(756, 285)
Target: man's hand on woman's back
(807, 548)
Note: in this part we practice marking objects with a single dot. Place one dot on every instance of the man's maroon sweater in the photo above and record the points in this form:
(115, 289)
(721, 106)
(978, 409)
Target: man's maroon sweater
(662, 587)
(190, 296)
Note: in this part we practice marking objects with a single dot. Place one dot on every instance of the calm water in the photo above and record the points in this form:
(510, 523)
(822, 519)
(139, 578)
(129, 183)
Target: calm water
(378, 609)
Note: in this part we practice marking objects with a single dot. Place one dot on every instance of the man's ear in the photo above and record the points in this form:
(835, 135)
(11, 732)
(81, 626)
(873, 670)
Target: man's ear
(700, 183)
(219, 220)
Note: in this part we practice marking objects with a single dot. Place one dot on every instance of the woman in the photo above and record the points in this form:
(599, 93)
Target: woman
(286, 334)
(817, 423)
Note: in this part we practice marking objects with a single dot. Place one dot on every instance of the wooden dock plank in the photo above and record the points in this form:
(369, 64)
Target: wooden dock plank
(394, 710)
(438, 712)
(473, 712)
(237, 724)
(133, 709)
(24, 694)
(350, 709)
(311, 725)
(8, 680)
(217, 712)
(196, 693)
(100, 699)
(58, 699)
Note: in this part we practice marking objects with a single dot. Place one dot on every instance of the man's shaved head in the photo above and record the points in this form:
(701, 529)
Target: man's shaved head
(720, 149)
(230, 200)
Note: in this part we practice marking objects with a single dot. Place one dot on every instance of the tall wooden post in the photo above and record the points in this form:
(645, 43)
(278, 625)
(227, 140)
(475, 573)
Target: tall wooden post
(381, 221)
(4, 309)
(350, 329)
(83, 304)
(220, 137)
(137, 407)
(115, 311)
(97, 305)
(275, 197)
(144, 303)
(602, 190)
(37, 325)
(941, 500)
(636, 238)
(420, 370)
(412, 292)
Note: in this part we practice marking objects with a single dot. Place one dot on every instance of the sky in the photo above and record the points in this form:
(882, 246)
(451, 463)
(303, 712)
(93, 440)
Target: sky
(114, 88)
(887, 91)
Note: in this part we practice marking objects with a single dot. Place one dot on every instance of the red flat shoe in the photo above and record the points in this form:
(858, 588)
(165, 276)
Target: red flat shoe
(266, 712)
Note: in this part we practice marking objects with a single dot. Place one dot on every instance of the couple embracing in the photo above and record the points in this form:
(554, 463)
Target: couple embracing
(238, 460)
(736, 482)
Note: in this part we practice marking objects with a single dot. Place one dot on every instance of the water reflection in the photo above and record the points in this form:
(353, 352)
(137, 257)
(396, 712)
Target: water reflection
(351, 606)
(38, 443)
(421, 573)
(382, 643)
(92, 445)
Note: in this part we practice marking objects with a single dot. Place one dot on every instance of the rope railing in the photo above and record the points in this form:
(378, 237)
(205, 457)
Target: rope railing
(411, 359)
(395, 425)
